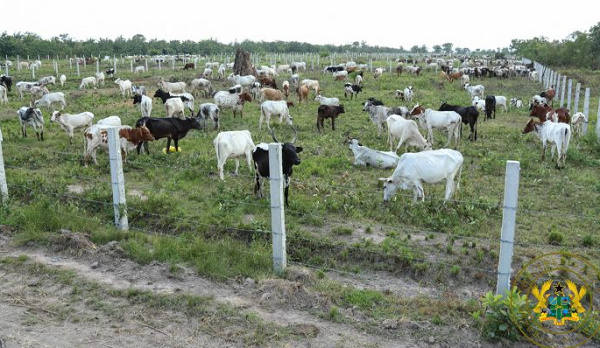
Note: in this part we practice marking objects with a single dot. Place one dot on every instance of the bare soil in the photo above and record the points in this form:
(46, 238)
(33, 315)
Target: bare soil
(40, 309)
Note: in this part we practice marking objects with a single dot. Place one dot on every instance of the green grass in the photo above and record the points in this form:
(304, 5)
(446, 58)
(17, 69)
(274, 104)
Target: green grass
(182, 212)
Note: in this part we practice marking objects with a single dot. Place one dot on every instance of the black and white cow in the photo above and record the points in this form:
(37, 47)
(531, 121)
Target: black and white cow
(351, 89)
(289, 158)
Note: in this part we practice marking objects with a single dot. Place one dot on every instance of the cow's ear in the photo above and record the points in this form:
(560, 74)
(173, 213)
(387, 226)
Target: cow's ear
(299, 149)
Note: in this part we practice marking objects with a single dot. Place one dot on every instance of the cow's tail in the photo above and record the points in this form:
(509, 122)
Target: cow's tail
(459, 175)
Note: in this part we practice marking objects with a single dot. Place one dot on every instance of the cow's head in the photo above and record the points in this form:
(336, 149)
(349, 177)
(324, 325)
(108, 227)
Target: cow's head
(531, 126)
(289, 151)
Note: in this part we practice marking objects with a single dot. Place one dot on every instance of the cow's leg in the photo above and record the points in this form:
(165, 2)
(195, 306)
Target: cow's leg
(449, 187)
(168, 144)
(176, 141)
(24, 131)
(237, 165)
(333, 123)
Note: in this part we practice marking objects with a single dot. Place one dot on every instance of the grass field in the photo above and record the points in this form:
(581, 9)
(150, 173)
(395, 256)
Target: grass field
(180, 212)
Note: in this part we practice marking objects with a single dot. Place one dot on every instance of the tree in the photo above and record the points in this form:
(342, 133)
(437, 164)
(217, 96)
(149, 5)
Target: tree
(447, 47)
(437, 49)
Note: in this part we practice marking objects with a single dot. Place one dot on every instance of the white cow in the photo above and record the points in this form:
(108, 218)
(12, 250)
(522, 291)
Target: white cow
(556, 134)
(210, 111)
(233, 144)
(63, 79)
(431, 167)
(90, 80)
(364, 156)
(577, 122)
(327, 101)
(201, 85)
(51, 98)
(71, 122)
(172, 87)
(3, 95)
(501, 101)
(125, 86)
(269, 108)
(407, 132)
(429, 119)
(175, 108)
(110, 121)
(477, 90)
(244, 81)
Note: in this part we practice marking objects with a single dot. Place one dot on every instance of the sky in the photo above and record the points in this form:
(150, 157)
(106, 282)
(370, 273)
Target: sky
(465, 24)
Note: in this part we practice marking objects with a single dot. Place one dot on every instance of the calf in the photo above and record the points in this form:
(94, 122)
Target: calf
(364, 156)
(124, 86)
(577, 122)
(327, 101)
(31, 117)
(96, 137)
(351, 89)
(426, 166)
(557, 134)
(490, 107)
(170, 128)
(189, 66)
(209, 111)
(233, 144)
(145, 104)
(289, 158)
(328, 111)
(544, 112)
(477, 90)
(274, 107)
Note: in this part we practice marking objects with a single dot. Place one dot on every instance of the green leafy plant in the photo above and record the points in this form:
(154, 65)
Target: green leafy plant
(502, 316)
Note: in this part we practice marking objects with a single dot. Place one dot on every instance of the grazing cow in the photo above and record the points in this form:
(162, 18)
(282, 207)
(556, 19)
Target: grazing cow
(468, 114)
(327, 101)
(577, 122)
(187, 99)
(233, 144)
(477, 90)
(267, 81)
(31, 117)
(431, 167)
(96, 137)
(209, 111)
(302, 93)
(285, 85)
(49, 99)
(267, 93)
(289, 158)
(399, 69)
(201, 85)
(189, 66)
(379, 113)
(99, 76)
(544, 112)
(556, 134)
(429, 119)
(516, 103)
(63, 80)
(312, 84)
(47, 80)
(174, 107)
(364, 156)
(407, 132)
(351, 89)
(110, 72)
(501, 101)
(171, 128)
(455, 76)
(24, 86)
(490, 107)
(90, 80)
(244, 81)
(72, 122)
(378, 72)
(269, 108)
(145, 104)
(328, 111)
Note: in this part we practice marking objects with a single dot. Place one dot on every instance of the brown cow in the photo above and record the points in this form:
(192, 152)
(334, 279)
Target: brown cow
(544, 112)
(267, 81)
(328, 111)
(454, 76)
(189, 66)
(302, 93)
(97, 136)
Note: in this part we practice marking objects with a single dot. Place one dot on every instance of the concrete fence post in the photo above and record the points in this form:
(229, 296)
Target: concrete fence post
(598, 122)
(509, 217)
(3, 185)
(576, 106)
(117, 179)
(586, 110)
(277, 209)
(570, 87)
(562, 91)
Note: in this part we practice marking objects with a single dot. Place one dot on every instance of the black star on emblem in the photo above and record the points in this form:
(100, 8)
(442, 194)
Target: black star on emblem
(558, 289)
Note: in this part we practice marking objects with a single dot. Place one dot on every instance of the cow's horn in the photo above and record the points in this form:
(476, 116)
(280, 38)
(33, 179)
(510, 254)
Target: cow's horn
(295, 135)
(273, 135)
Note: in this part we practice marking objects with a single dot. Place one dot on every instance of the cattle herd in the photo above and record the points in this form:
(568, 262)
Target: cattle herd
(429, 165)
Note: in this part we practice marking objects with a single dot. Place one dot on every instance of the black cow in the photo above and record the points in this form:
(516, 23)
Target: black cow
(6, 81)
(168, 127)
(333, 69)
(468, 114)
(289, 157)
(351, 89)
(328, 111)
(110, 72)
(374, 101)
(490, 107)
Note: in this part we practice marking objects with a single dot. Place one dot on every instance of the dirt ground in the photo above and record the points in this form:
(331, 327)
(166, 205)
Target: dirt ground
(38, 309)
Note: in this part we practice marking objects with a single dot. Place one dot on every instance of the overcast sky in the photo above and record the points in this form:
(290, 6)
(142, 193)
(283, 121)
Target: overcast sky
(470, 24)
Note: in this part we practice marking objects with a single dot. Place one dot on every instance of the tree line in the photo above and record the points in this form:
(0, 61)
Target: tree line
(578, 50)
